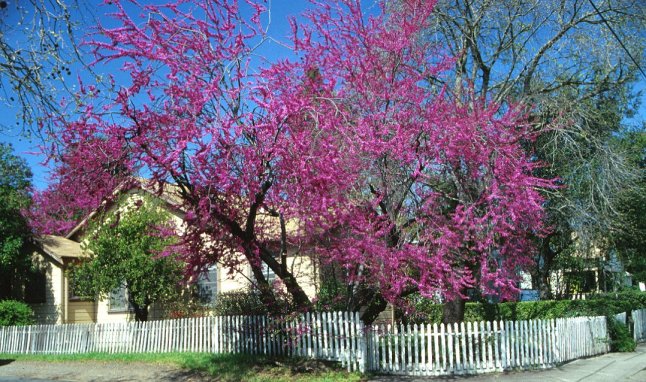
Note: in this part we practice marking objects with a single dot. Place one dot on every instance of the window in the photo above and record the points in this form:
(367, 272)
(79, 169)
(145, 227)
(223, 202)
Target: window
(71, 294)
(36, 287)
(118, 300)
(207, 286)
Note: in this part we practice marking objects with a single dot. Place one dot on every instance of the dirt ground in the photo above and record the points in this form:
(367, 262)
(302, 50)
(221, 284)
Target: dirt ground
(93, 371)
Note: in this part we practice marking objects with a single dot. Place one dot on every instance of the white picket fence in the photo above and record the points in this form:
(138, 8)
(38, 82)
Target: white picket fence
(335, 336)
(639, 324)
(479, 347)
(437, 349)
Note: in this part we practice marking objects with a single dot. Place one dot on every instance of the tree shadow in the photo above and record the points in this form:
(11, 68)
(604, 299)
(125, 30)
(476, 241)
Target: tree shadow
(6, 361)
(241, 367)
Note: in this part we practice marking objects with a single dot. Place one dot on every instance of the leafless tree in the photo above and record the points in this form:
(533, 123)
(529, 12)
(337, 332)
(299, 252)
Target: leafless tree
(563, 58)
(39, 58)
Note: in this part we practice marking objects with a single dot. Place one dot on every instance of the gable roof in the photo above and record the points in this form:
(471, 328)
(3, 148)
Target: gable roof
(170, 195)
(58, 247)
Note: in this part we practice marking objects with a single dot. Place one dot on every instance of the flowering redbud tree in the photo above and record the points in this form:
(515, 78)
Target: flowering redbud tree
(78, 186)
(403, 187)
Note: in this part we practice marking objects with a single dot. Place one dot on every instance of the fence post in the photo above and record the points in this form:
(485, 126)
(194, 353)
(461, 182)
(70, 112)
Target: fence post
(363, 345)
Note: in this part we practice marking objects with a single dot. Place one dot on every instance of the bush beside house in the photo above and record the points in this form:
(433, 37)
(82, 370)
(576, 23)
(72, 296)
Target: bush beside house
(15, 313)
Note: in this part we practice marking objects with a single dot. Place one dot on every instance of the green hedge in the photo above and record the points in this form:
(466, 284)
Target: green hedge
(15, 313)
(597, 305)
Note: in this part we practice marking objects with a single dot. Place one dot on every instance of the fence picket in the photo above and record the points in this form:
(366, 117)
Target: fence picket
(443, 346)
(361, 342)
(496, 346)
(449, 347)
(390, 358)
(396, 347)
(531, 359)
(409, 348)
(542, 346)
(478, 346)
(422, 342)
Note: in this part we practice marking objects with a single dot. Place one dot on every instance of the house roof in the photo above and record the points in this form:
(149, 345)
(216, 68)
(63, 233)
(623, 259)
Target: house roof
(169, 195)
(59, 247)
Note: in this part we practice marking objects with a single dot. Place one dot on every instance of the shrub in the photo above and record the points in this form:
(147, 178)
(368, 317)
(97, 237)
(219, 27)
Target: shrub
(239, 303)
(424, 310)
(620, 338)
(184, 307)
(332, 296)
(245, 303)
(15, 313)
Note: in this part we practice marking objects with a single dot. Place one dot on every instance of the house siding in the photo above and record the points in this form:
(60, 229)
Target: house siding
(104, 315)
(81, 312)
(50, 311)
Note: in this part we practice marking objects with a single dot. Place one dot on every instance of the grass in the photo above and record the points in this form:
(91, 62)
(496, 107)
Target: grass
(224, 367)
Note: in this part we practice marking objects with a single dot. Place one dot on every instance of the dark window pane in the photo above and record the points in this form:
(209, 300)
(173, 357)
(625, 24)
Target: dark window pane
(36, 287)
(118, 299)
(207, 285)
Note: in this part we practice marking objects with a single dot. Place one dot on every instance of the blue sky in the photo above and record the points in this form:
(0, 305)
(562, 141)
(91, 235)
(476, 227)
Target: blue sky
(28, 149)
(279, 29)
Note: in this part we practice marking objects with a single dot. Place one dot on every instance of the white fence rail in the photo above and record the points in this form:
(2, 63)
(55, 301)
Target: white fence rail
(639, 324)
(437, 349)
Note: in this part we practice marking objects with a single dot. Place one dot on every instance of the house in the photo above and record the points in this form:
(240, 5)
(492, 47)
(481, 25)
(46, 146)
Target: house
(47, 291)
(585, 267)
(594, 269)
(54, 302)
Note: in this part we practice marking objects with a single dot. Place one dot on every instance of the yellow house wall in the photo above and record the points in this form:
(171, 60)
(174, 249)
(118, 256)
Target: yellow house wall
(51, 311)
(230, 283)
(301, 266)
(81, 312)
(104, 315)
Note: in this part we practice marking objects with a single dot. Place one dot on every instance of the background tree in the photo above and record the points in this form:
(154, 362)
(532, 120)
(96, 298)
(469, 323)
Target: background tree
(15, 185)
(38, 53)
(560, 57)
(315, 143)
(125, 249)
(630, 239)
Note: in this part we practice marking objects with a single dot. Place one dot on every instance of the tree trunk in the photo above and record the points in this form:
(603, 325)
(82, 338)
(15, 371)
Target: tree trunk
(141, 312)
(544, 270)
(266, 293)
(453, 310)
(376, 305)
(299, 297)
